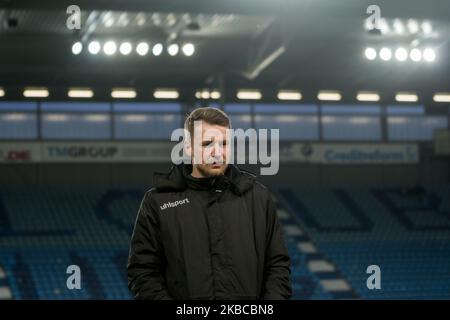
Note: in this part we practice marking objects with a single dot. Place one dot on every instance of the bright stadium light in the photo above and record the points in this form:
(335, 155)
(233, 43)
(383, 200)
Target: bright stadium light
(188, 49)
(142, 48)
(289, 95)
(415, 55)
(385, 54)
(429, 55)
(441, 97)
(215, 95)
(35, 93)
(173, 49)
(80, 93)
(94, 47)
(205, 94)
(166, 94)
(406, 97)
(249, 94)
(401, 54)
(370, 53)
(413, 26)
(329, 95)
(427, 27)
(2, 92)
(123, 93)
(398, 26)
(109, 48)
(125, 48)
(157, 49)
(77, 47)
(368, 96)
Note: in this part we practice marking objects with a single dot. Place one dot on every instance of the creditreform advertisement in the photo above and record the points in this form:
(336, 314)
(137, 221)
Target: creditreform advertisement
(337, 153)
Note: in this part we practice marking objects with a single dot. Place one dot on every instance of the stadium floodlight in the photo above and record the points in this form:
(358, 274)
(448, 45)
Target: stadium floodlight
(368, 96)
(385, 54)
(406, 97)
(109, 48)
(157, 49)
(80, 93)
(173, 49)
(188, 49)
(413, 26)
(94, 47)
(441, 97)
(415, 55)
(370, 53)
(36, 93)
(205, 94)
(245, 94)
(427, 28)
(125, 48)
(429, 55)
(166, 94)
(329, 95)
(401, 54)
(289, 95)
(398, 26)
(215, 95)
(77, 47)
(142, 48)
(123, 93)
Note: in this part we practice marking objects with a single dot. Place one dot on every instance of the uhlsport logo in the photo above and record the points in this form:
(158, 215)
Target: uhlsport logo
(174, 204)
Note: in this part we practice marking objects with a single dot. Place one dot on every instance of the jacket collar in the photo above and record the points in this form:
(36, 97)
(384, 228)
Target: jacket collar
(179, 179)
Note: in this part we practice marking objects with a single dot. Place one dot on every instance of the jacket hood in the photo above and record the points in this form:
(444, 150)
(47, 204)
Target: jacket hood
(179, 178)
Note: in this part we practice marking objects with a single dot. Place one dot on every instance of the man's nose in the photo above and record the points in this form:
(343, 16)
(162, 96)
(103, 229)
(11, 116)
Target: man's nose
(217, 151)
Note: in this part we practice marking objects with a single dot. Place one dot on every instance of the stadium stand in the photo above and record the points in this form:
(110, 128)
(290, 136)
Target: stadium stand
(332, 235)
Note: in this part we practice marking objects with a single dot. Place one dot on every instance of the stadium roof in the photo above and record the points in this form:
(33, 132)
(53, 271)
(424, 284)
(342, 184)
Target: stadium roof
(267, 44)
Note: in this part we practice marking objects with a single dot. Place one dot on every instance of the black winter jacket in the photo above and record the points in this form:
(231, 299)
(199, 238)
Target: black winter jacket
(213, 238)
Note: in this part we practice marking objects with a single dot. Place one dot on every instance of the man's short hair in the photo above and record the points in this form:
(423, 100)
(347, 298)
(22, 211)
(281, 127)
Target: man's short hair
(209, 115)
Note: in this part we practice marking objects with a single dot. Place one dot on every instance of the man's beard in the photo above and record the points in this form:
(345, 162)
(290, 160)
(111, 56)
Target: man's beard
(206, 170)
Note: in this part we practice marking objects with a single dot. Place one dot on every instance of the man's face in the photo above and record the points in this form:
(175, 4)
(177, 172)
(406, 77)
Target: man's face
(210, 149)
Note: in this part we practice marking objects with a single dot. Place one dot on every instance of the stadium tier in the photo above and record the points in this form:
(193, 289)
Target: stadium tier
(333, 235)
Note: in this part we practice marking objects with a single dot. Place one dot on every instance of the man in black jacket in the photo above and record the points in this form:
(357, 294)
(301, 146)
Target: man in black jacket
(208, 230)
